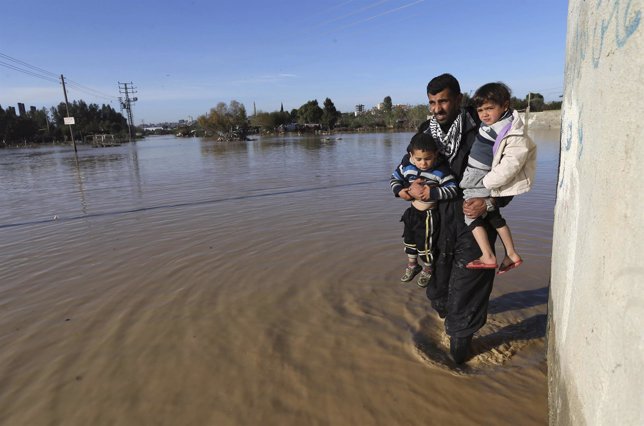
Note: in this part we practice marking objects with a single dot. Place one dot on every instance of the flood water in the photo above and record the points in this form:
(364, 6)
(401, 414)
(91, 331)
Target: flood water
(193, 282)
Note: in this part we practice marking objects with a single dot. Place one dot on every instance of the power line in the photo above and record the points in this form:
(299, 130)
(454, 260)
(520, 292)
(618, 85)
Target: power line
(31, 73)
(86, 89)
(89, 91)
(33, 67)
(41, 73)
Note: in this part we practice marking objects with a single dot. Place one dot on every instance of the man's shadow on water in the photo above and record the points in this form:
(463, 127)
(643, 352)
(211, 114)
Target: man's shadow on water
(518, 300)
(528, 329)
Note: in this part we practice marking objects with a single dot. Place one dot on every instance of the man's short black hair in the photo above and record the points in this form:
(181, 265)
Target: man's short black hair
(442, 82)
(497, 93)
(422, 142)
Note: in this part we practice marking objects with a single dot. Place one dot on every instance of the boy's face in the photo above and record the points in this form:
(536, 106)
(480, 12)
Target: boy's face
(490, 112)
(424, 160)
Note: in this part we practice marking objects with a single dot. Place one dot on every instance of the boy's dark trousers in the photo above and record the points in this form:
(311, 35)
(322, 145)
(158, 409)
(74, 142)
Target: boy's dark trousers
(420, 232)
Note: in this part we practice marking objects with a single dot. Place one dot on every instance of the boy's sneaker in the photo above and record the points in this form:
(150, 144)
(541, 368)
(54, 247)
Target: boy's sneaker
(410, 273)
(423, 278)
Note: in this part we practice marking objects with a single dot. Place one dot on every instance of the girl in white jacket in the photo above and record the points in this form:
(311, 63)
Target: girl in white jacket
(501, 163)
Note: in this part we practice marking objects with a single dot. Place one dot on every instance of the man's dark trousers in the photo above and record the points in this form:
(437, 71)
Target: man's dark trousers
(458, 294)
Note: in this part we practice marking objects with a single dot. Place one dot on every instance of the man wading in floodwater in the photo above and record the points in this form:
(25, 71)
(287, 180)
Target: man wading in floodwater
(460, 295)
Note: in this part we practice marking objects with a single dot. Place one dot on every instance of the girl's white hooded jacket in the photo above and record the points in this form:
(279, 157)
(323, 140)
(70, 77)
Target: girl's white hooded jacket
(514, 163)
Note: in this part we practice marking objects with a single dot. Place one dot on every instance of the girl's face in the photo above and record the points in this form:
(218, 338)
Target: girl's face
(490, 112)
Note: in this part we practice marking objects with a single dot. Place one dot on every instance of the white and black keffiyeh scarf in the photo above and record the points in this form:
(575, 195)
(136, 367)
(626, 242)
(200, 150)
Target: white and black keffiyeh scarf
(448, 143)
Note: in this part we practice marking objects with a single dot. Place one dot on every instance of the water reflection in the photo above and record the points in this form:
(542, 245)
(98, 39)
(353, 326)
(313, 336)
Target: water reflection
(79, 180)
(135, 172)
(214, 147)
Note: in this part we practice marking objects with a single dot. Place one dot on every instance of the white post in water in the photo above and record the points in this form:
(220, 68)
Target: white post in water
(526, 117)
(596, 307)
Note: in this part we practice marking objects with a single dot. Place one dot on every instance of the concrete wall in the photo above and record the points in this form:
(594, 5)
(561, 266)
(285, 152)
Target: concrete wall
(595, 338)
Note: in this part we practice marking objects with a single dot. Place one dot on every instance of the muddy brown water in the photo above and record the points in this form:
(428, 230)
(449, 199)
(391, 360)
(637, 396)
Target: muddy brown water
(191, 282)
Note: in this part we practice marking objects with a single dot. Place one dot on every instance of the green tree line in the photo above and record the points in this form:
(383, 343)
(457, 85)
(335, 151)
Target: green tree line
(47, 126)
(225, 121)
(231, 121)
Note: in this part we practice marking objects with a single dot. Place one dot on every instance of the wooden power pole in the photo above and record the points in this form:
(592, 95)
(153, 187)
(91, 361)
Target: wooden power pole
(71, 131)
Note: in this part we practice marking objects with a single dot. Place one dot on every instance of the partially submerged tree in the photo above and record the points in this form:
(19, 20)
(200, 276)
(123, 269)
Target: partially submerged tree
(229, 122)
(329, 114)
(310, 113)
(270, 121)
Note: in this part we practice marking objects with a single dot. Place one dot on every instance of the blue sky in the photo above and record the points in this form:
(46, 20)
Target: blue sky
(186, 56)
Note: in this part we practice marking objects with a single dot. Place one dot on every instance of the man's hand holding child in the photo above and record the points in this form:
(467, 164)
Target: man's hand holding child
(419, 191)
(405, 195)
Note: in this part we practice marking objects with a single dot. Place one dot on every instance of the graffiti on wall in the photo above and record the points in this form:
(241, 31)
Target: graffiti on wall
(620, 20)
(601, 28)
(568, 134)
(623, 19)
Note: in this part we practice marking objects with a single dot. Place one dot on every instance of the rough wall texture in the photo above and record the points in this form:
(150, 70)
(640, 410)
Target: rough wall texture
(596, 343)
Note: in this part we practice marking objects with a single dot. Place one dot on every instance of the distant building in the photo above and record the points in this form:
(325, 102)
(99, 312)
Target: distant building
(21, 109)
(359, 109)
(33, 110)
(11, 110)
(380, 106)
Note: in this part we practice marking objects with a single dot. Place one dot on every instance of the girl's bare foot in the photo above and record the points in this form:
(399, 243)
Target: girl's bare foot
(483, 262)
(510, 262)
(511, 258)
(488, 259)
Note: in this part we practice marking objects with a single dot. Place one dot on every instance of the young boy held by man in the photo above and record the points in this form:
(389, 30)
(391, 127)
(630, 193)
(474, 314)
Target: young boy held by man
(425, 164)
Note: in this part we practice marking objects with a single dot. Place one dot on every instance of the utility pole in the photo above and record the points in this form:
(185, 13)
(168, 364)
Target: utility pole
(128, 89)
(62, 79)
